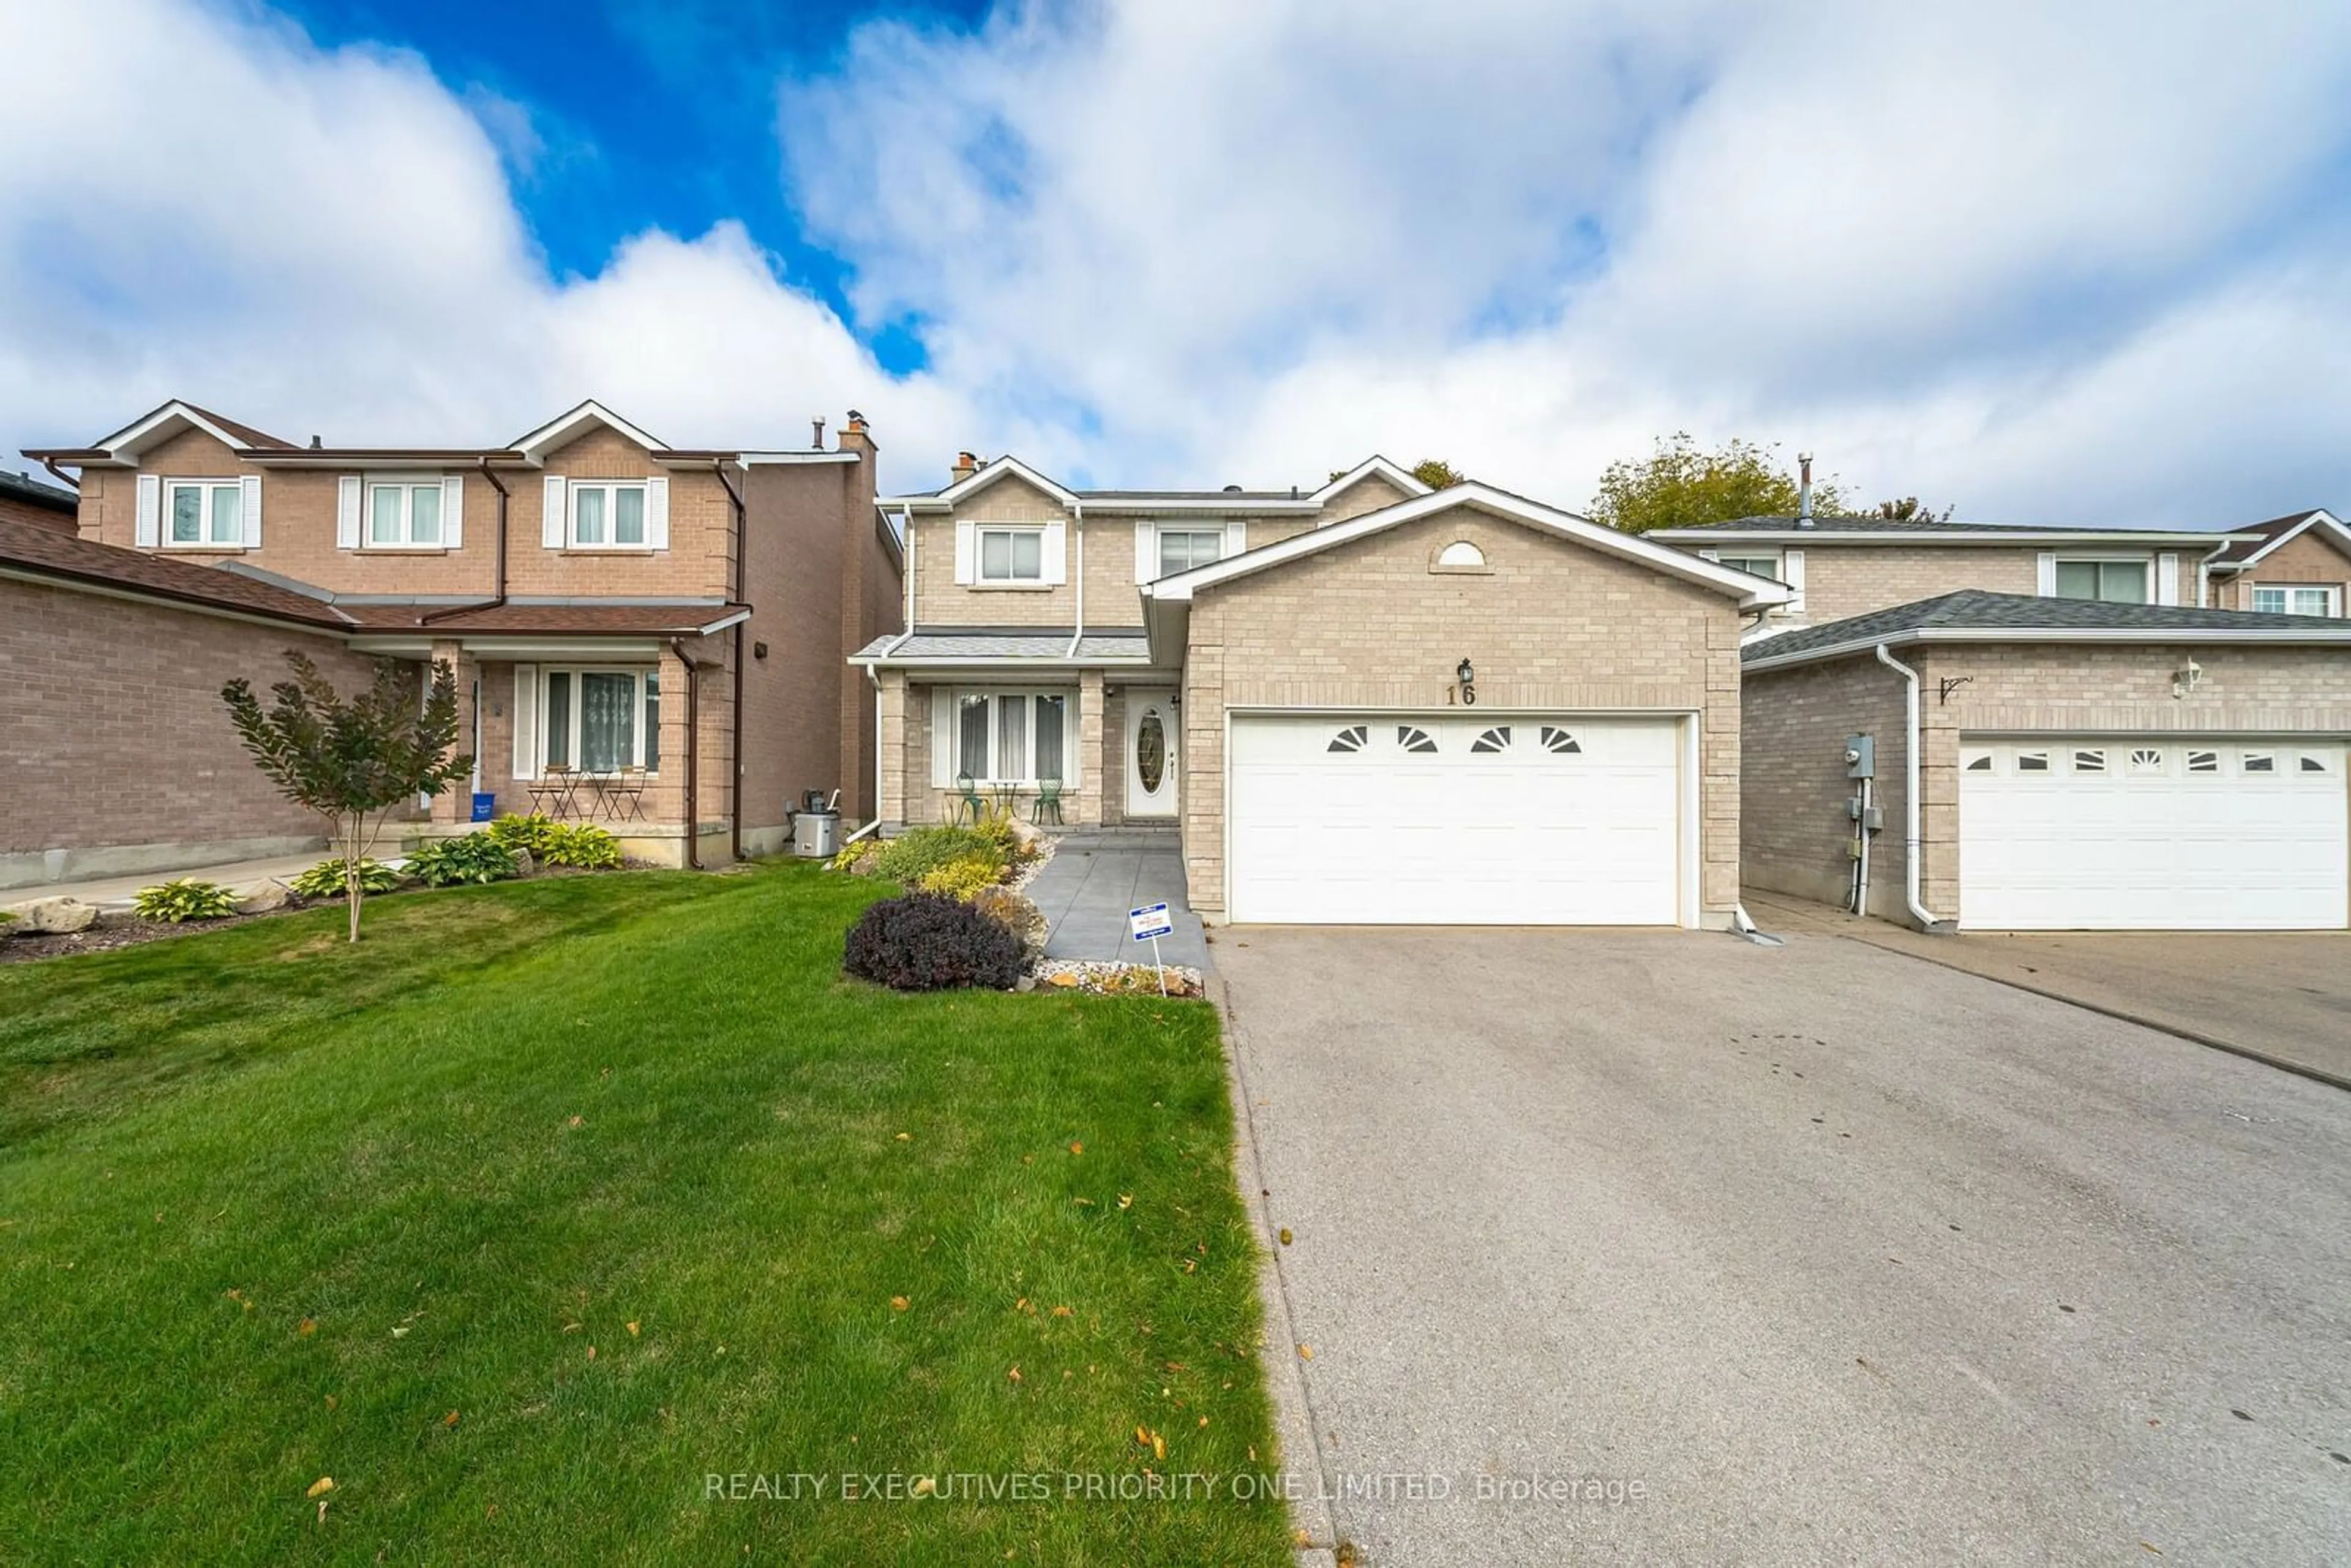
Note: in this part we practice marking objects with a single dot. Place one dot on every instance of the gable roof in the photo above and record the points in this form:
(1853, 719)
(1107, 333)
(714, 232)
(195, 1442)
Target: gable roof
(1001, 468)
(534, 445)
(1231, 499)
(122, 448)
(1403, 478)
(2257, 539)
(1167, 601)
(1972, 615)
(1924, 530)
(27, 550)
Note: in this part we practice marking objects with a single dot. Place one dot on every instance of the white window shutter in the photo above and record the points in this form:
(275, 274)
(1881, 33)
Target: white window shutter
(2166, 577)
(967, 550)
(551, 516)
(1709, 555)
(657, 513)
(347, 512)
(1056, 553)
(251, 485)
(1146, 552)
(944, 738)
(1235, 536)
(1792, 572)
(453, 510)
(2048, 567)
(525, 721)
(151, 511)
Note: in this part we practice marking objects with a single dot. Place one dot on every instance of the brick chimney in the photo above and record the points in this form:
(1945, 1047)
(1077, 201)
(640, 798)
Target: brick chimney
(966, 465)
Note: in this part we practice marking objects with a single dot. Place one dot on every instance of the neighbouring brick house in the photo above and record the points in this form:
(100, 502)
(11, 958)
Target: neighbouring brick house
(25, 499)
(1364, 702)
(2299, 564)
(629, 624)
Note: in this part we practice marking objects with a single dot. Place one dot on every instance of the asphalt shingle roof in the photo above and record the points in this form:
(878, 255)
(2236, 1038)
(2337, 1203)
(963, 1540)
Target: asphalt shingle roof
(1974, 609)
(48, 552)
(969, 642)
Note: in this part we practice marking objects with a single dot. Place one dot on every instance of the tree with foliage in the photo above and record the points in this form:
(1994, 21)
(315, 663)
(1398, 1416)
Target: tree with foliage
(1681, 485)
(1436, 472)
(350, 760)
(1910, 509)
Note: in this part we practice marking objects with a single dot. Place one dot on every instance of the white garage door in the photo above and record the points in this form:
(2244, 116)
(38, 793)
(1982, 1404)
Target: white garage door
(2152, 834)
(1441, 819)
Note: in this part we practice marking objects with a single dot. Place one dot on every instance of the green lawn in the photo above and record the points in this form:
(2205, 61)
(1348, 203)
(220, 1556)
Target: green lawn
(551, 1200)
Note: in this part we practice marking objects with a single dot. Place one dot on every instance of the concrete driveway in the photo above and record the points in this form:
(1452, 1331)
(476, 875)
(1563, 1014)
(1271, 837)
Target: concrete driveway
(1834, 1254)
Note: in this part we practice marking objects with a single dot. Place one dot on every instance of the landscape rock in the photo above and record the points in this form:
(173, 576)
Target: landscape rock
(259, 897)
(53, 916)
(524, 864)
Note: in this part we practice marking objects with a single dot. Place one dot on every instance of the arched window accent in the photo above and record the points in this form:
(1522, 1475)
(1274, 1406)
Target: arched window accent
(1495, 739)
(2146, 759)
(1412, 738)
(1556, 739)
(1351, 739)
(1461, 555)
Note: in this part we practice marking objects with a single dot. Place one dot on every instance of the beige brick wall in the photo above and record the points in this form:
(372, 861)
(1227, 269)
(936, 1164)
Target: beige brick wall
(2008, 690)
(298, 511)
(1843, 578)
(1794, 834)
(1555, 626)
(116, 731)
(2309, 557)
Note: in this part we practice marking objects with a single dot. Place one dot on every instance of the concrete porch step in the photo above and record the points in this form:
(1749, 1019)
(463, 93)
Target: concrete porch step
(1087, 840)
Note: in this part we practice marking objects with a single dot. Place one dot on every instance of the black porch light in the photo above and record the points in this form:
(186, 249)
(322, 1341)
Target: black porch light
(1466, 674)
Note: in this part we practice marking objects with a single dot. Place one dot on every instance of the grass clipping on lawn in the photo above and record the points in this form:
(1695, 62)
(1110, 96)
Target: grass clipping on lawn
(525, 1218)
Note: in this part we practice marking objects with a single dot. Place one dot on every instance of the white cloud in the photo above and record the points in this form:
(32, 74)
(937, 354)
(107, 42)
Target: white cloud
(204, 206)
(2039, 259)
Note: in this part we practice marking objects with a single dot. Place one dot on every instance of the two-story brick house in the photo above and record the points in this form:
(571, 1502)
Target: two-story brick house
(645, 635)
(1365, 702)
(2055, 728)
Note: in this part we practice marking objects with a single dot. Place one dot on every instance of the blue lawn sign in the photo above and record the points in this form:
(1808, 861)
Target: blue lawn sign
(1149, 924)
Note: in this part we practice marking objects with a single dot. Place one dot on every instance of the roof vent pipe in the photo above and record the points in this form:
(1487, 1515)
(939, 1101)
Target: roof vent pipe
(317, 444)
(817, 438)
(1803, 489)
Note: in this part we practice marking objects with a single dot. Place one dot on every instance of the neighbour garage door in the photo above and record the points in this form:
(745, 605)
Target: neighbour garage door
(1442, 820)
(2152, 834)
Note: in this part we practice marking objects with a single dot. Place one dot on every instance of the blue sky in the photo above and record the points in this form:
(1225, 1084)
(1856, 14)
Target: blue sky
(2077, 264)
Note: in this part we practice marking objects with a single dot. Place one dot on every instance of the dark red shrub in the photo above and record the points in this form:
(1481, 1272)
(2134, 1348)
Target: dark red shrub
(923, 942)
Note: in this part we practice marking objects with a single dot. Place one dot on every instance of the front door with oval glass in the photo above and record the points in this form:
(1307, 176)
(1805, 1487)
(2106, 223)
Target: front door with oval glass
(1150, 754)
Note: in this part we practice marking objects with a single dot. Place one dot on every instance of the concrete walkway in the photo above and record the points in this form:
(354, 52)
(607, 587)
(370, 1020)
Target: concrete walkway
(2280, 997)
(117, 892)
(1087, 888)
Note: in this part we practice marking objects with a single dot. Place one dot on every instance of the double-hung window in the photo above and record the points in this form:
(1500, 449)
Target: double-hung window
(204, 511)
(1011, 555)
(608, 514)
(2112, 582)
(1761, 565)
(1011, 736)
(601, 721)
(404, 512)
(1181, 549)
(2297, 599)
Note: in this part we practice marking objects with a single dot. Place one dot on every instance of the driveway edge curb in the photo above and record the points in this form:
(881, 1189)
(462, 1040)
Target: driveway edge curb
(1294, 1405)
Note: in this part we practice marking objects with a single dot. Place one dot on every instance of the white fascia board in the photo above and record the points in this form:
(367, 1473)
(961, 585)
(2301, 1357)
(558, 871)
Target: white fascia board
(756, 459)
(2145, 635)
(1753, 592)
(1001, 468)
(1139, 506)
(2322, 517)
(1394, 474)
(888, 659)
(2180, 537)
(136, 437)
(538, 443)
(912, 504)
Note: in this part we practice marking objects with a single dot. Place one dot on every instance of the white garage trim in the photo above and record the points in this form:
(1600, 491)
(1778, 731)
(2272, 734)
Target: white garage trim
(1679, 876)
(2179, 831)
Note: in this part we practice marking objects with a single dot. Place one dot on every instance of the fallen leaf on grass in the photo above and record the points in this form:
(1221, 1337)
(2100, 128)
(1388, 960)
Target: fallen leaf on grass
(1077, 1148)
(400, 1330)
(1126, 1200)
(450, 1419)
(1014, 1374)
(309, 1325)
(632, 1330)
(905, 1137)
(575, 1120)
(1063, 1312)
(321, 1487)
(1022, 1305)
(591, 1353)
(899, 1303)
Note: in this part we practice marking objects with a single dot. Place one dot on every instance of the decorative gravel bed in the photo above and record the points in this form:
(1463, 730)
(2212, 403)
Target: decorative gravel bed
(1112, 979)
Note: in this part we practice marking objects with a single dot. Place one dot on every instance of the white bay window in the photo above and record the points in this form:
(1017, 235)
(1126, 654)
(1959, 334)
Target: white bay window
(1007, 736)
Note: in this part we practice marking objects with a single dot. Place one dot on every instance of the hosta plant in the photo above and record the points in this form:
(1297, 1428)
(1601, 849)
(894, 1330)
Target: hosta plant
(581, 844)
(329, 878)
(474, 858)
(186, 899)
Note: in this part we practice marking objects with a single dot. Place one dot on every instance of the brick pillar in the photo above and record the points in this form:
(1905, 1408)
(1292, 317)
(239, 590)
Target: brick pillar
(891, 787)
(1092, 781)
(455, 804)
(665, 795)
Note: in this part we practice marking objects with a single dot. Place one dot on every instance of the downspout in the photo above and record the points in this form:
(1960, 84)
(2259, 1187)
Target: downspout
(693, 754)
(499, 591)
(60, 476)
(742, 543)
(1912, 809)
(874, 677)
(1078, 634)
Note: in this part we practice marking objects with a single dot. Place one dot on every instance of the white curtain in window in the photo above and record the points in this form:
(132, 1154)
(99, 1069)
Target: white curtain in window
(607, 721)
(972, 750)
(1051, 713)
(1012, 737)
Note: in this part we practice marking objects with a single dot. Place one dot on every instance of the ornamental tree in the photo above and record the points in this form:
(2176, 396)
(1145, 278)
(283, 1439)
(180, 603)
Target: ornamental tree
(1681, 485)
(354, 761)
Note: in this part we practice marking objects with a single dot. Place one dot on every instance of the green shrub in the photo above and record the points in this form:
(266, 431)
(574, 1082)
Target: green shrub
(857, 858)
(913, 855)
(325, 880)
(1015, 913)
(476, 857)
(186, 899)
(512, 833)
(962, 878)
(582, 844)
